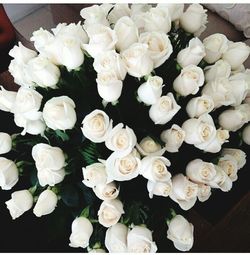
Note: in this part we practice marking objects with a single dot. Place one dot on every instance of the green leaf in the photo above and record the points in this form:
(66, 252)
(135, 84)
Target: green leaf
(90, 153)
(85, 212)
(64, 136)
(33, 177)
(69, 195)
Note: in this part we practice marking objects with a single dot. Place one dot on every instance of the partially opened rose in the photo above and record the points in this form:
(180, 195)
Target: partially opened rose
(82, 230)
(110, 212)
(140, 240)
(96, 126)
(59, 113)
(180, 231)
(116, 238)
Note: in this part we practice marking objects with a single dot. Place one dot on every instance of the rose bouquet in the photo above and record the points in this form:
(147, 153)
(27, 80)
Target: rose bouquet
(126, 120)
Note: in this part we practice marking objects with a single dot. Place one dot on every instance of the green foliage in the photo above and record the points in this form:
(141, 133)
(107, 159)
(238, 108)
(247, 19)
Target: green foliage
(69, 195)
(90, 153)
(63, 135)
(135, 213)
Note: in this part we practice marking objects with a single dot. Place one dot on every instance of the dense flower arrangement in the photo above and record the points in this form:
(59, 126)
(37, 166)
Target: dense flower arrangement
(105, 107)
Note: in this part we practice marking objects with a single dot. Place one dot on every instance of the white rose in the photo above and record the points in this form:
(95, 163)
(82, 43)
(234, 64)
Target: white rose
(116, 238)
(20, 202)
(221, 69)
(193, 54)
(5, 143)
(126, 32)
(150, 91)
(159, 188)
(50, 177)
(199, 105)
(33, 127)
(157, 20)
(221, 181)
(239, 89)
(154, 168)
(94, 175)
(101, 38)
(43, 73)
(199, 171)
(184, 192)
(214, 145)
(22, 54)
(8, 173)
(121, 140)
(110, 61)
(246, 135)
(198, 131)
(194, 19)
(175, 10)
(148, 146)
(46, 203)
(247, 99)
(59, 113)
(47, 157)
(123, 168)
(236, 54)
(71, 54)
(137, 60)
(233, 119)
(181, 232)
(109, 86)
(41, 38)
(20, 74)
(65, 50)
(110, 212)
(164, 109)
(82, 230)
(137, 14)
(229, 165)
(96, 14)
(239, 156)
(159, 46)
(96, 126)
(71, 30)
(139, 8)
(189, 80)
(204, 192)
(28, 103)
(173, 138)
(118, 11)
(215, 46)
(240, 70)
(106, 191)
(220, 90)
(140, 240)
(7, 99)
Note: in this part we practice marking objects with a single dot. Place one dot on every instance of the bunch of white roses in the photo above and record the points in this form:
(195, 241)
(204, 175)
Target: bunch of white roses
(129, 41)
